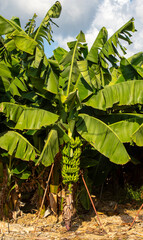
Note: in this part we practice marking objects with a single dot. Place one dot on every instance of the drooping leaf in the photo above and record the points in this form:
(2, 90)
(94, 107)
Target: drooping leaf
(108, 47)
(35, 119)
(44, 30)
(102, 138)
(28, 118)
(5, 26)
(12, 111)
(51, 148)
(17, 145)
(105, 51)
(24, 42)
(125, 93)
(18, 38)
(125, 129)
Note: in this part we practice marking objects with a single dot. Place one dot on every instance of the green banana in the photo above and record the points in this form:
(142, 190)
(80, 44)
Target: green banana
(71, 160)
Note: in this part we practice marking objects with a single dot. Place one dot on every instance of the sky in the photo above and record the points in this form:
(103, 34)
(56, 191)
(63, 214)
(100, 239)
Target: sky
(86, 15)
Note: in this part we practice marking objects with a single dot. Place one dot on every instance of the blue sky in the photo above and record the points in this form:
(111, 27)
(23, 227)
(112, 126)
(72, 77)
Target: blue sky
(86, 15)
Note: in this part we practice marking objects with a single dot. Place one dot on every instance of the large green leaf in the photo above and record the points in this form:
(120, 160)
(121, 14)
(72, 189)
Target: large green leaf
(84, 90)
(4, 70)
(98, 44)
(69, 61)
(105, 51)
(6, 26)
(59, 53)
(136, 59)
(125, 93)
(28, 118)
(17, 37)
(51, 80)
(138, 136)
(129, 71)
(16, 85)
(125, 129)
(109, 47)
(83, 67)
(11, 110)
(51, 148)
(17, 145)
(44, 30)
(24, 42)
(102, 138)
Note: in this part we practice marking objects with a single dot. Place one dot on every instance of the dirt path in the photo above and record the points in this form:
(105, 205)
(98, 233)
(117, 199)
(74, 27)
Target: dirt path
(115, 221)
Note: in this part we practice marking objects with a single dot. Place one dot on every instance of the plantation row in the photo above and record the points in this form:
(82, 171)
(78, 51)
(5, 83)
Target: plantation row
(79, 109)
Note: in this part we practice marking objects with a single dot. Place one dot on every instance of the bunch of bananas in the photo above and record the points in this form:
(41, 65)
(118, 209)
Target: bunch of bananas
(71, 160)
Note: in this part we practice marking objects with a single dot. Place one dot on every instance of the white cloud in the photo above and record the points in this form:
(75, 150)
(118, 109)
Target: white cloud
(62, 41)
(139, 9)
(24, 8)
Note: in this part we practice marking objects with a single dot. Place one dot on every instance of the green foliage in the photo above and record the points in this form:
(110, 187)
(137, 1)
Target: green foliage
(30, 26)
(133, 194)
(44, 30)
(101, 137)
(17, 145)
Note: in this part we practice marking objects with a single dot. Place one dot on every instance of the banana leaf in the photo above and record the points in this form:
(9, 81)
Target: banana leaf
(125, 129)
(138, 136)
(17, 36)
(44, 30)
(4, 70)
(26, 117)
(108, 47)
(70, 61)
(102, 138)
(17, 145)
(24, 42)
(51, 148)
(125, 93)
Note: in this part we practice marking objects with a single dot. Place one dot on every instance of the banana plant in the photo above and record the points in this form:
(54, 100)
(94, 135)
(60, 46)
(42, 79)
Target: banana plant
(18, 50)
(55, 105)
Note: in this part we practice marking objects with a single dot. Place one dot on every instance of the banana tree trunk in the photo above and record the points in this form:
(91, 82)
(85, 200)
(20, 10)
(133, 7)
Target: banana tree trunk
(68, 207)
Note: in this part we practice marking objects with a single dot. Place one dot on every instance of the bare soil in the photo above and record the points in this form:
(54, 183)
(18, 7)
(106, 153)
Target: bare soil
(115, 219)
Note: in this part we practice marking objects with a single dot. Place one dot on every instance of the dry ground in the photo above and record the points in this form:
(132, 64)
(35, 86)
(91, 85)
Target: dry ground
(115, 219)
